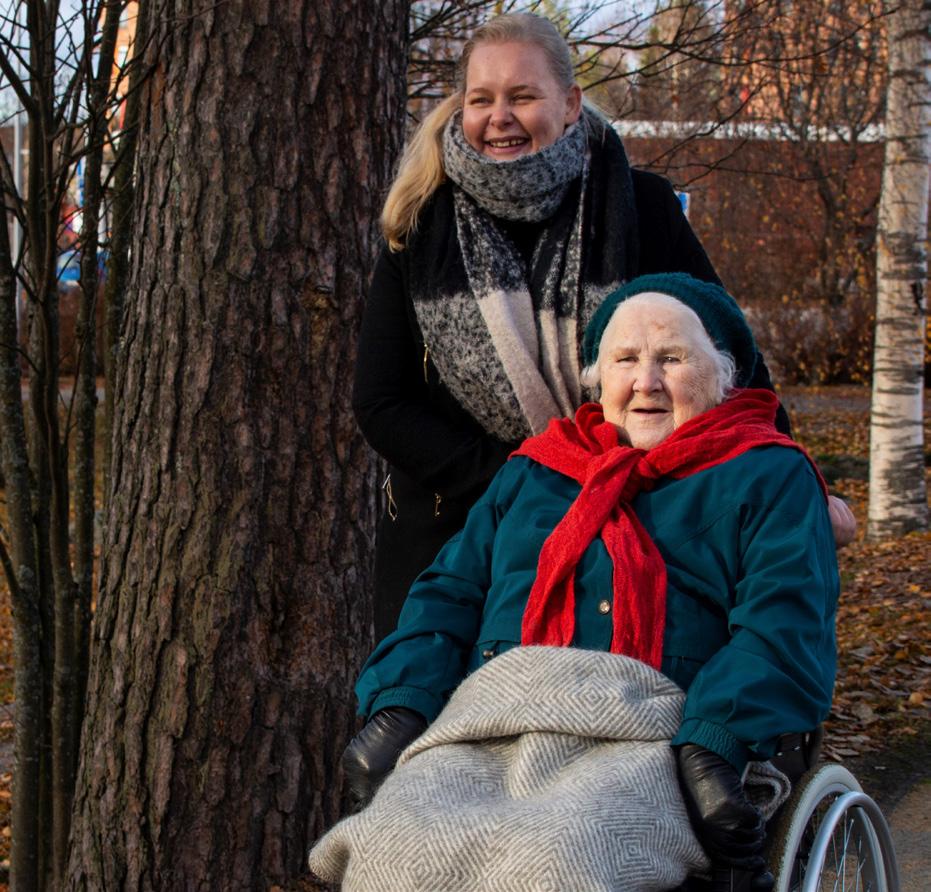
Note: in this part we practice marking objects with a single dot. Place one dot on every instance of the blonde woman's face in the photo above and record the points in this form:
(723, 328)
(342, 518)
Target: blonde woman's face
(513, 105)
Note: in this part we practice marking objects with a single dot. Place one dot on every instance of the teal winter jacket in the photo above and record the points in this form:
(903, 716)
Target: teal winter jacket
(751, 596)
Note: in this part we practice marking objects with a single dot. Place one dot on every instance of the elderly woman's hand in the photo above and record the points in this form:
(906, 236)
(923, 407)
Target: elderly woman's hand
(372, 753)
(727, 825)
(843, 522)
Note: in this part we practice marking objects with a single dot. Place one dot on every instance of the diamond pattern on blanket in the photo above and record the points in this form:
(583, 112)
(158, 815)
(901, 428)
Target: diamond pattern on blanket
(549, 769)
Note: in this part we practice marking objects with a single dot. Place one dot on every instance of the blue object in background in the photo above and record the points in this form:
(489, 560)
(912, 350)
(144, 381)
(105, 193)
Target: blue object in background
(69, 266)
(684, 201)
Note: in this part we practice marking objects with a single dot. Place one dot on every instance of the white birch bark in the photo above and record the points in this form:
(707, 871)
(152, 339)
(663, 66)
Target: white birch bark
(898, 498)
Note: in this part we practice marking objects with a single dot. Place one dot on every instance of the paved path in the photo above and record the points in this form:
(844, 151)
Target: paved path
(911, 832)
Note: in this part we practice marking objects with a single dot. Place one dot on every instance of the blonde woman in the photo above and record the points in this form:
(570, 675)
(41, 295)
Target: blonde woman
(513, 213)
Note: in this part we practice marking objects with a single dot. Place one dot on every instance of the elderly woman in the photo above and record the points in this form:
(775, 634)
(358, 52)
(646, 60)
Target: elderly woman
(669, 523)
(514, 212)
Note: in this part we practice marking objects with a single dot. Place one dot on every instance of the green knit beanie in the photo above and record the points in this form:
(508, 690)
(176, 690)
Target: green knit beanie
(718, 311)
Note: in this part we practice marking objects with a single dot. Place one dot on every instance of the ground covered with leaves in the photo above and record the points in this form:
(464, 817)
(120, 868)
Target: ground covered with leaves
(883, 691)
(882, 701)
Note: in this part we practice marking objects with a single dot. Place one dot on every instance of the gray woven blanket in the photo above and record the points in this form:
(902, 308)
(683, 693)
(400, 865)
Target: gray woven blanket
(549, 769)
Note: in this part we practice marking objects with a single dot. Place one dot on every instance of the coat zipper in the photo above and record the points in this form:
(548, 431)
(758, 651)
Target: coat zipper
(437, 498)
(391, 507)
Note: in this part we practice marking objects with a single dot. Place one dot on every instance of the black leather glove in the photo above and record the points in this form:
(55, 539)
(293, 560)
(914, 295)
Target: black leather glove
(727, 825)
(371, 754)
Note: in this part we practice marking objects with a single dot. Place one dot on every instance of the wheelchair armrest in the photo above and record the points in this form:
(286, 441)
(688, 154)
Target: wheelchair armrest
(798, 752)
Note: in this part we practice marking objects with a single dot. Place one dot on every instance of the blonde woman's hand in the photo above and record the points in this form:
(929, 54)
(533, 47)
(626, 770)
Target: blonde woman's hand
(843, 522)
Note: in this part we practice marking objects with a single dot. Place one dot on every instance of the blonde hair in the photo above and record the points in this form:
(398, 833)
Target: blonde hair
(420, 170)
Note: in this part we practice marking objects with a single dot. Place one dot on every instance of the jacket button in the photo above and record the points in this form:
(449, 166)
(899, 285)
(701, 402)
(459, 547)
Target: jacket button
(604, 606)
(488, 654)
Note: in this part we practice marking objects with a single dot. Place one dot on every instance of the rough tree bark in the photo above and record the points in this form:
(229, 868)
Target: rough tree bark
(898, 496)
(121, 226)
(233, 608)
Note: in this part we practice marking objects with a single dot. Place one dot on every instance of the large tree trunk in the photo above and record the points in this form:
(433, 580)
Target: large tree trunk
(898, 497)
(233, 610)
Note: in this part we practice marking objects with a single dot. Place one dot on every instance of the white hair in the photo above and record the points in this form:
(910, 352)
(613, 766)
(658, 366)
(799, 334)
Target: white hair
(725, 368)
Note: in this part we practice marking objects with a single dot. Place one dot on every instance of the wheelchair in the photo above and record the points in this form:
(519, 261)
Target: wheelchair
(829, 835)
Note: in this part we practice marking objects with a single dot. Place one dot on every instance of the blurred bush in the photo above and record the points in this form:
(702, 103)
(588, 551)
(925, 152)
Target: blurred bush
(809, 342)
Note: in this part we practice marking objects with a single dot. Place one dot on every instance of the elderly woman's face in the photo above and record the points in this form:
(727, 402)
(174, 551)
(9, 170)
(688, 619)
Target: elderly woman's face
(655, 371)
(513, 105)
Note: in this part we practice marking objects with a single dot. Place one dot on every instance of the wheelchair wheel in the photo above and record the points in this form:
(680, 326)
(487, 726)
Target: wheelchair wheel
(832, 836)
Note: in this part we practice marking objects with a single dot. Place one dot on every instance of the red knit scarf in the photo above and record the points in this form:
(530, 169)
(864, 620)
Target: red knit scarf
(611, 475)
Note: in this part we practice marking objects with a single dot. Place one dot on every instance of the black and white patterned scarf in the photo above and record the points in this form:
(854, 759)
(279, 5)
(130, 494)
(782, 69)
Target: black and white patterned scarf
(505, 336)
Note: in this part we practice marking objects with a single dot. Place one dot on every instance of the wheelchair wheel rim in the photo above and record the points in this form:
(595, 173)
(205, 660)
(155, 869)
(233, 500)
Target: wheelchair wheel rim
(836, 839)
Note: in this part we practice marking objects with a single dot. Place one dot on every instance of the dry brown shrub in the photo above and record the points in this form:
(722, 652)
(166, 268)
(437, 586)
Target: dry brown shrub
(813, 343)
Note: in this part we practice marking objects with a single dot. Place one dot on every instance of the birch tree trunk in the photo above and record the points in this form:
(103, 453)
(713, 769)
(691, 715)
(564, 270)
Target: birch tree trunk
(233, 612)
(898, 497)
